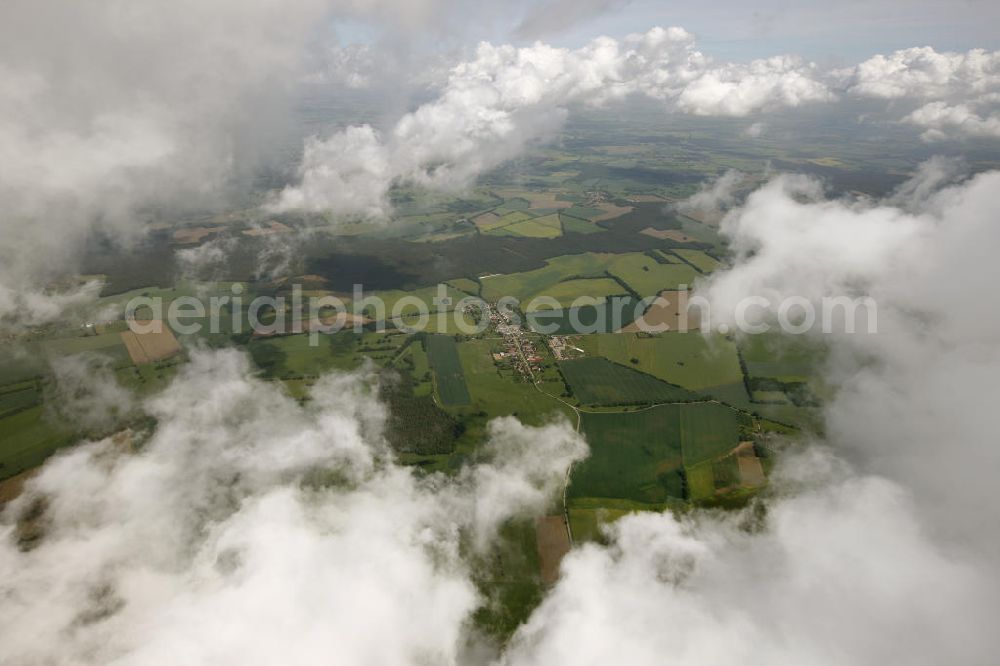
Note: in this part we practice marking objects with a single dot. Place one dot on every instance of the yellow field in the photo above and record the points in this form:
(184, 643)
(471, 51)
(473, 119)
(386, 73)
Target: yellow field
(270, 230)
(711, 218)
(751, 472)
(671, 234)
(631, 149)
(698, 259)
(611, 211)
(195, 234)
(12, 487)
(149, 347)
(542, 227)
(536, 199)
(487, 221)
(552, 538)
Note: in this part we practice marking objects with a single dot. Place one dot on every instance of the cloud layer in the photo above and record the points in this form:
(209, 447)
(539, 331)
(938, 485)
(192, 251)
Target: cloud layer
(506, 98)
(911, 394)
(112, 107)
(958, 93)
(250, 530)
(889, 557)
(834, 575)
(154, 128)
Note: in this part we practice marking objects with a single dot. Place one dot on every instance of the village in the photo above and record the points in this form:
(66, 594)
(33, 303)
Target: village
(521, 351)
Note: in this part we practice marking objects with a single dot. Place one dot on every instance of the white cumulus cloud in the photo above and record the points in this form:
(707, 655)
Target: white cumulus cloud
(251, 530)
(958, 93)
(507, 97)
(106, 107)
(887, 558)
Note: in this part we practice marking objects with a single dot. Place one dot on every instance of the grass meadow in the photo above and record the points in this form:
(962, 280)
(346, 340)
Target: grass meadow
(442, 353)
(598, 381)
(687, 359)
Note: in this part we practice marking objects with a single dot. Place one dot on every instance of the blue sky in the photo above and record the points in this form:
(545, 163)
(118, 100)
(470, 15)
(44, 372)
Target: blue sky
(827, 31)
(823, 30)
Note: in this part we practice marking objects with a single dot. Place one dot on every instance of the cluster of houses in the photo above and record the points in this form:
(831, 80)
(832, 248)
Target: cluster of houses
(518, 349)
(562, 349)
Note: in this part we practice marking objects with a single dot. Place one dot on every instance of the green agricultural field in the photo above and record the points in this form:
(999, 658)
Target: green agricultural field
(509, 581)
(570, 290)
(458, 231)
(726, 472)
(703, 233)
(611, 315)
(686, 359)
(709, 478)
(414, 359)
(514, 204)
(421, 364)
(633, 455)
(466, 285)
(774, 346)
(448, 323)
(514, 217)
(535, 228)
(16, 368)
(298, 388)
(586, 524)
(166, 295)
(29, 437)
(428, 296)
(108, 343)
(648, 277)
(583, 212)
(18, 398)
(698, 259)
(489, 222)
(783, 371)
(808, 418)
(772, 397)
(442, 353)
(784, 358)
(700, 481)
(381, 347)
(587, 515)
(540, 213)
(598, 381)
(734, 394)
(548, 218)
(500, 394)
(708, 430)
(290, 356)
(203, 291)
(575, 225)
(149, 378)
(502, 231)
(523, 285)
